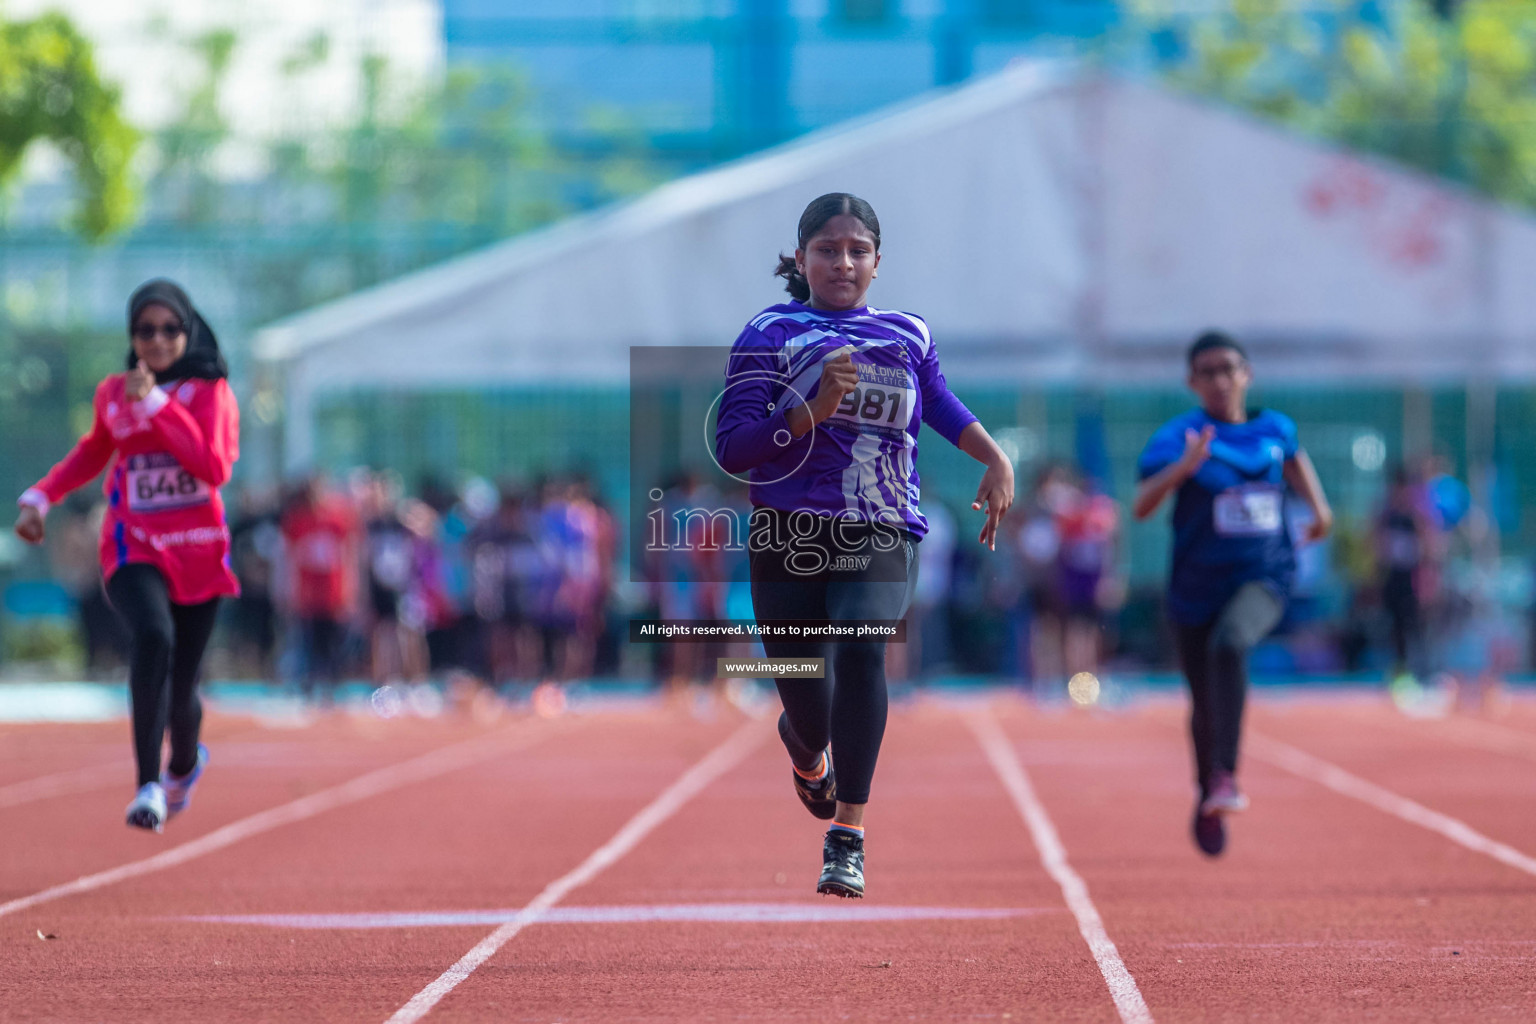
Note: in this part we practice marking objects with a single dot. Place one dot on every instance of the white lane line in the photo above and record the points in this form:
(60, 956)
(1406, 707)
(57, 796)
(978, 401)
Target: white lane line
(688, 785)
(78, 780)
(1053, 855)
(418, 769)
(91, 778)
(709, 913)
(1299, 762)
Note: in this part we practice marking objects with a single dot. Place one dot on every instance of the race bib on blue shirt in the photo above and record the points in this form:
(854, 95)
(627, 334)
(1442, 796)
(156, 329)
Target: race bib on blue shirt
(1253, 510)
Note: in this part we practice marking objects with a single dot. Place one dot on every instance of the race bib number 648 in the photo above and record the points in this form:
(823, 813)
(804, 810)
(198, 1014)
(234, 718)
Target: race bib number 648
(158, 483)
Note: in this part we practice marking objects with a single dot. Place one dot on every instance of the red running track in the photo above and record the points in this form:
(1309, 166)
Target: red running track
(341, 869)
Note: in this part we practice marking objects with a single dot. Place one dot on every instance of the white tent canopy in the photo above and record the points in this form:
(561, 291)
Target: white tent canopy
(1044, 222)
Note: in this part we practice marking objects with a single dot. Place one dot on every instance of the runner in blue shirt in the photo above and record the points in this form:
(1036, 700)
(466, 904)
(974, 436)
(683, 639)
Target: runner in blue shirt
(824, 396)
(1233, 562)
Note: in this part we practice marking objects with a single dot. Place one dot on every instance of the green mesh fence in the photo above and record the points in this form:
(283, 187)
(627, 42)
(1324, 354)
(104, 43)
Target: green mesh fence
(1353, 435)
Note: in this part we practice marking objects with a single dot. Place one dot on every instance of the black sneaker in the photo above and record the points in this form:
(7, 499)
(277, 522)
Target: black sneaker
(1210, 833)
(819, 797)
(842, 870)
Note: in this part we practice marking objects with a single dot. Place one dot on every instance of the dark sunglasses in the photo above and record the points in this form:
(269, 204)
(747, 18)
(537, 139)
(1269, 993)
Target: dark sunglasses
(147, 332)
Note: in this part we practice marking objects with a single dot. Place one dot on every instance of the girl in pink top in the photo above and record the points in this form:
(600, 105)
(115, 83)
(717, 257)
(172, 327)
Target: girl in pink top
(168, 433)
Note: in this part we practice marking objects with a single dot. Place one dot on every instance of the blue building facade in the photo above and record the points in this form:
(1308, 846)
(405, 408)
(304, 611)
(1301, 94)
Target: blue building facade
(704, 80)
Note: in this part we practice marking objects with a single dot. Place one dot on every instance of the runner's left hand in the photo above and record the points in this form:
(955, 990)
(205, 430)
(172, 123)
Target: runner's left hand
(1318, 528)
(996, 493)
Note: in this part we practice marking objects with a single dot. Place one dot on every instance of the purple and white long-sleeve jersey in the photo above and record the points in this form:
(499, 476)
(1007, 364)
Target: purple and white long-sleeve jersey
(862, 458)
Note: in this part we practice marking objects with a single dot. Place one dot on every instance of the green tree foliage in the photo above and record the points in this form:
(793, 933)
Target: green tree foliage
(423, 171)
(427, 171)
(1450, 89)
(186, 147)
(412, 179)
(50, 89)
(465, 152)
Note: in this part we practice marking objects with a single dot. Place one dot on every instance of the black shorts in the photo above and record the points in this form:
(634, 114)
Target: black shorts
(804, 547)
(384, 602)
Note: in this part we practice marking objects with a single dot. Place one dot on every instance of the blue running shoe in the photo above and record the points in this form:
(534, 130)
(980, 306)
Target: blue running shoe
(148, 808)
(178, 788)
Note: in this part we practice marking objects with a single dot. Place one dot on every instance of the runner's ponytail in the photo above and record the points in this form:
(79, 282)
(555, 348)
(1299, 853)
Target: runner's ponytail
(795, 283)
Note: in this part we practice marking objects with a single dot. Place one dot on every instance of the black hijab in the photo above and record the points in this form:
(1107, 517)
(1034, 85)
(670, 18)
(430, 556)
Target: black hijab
(202, 359)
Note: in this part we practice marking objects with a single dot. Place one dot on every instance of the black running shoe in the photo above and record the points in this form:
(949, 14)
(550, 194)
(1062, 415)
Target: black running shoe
(1210, 833)
(819, 797)
(842, 869)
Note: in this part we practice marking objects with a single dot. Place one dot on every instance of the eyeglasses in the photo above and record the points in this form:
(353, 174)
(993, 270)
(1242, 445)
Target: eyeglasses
(147, 332)
(1209, 373)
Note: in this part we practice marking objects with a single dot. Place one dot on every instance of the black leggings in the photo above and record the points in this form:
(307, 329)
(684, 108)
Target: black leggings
(1215, 658)
(846, 708)
(168, 641)
(1402, 604)
(323, 639)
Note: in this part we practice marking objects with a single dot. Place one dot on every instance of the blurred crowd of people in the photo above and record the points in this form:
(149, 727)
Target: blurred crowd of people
(354, 579)
(1415, 594)
(1437, 594)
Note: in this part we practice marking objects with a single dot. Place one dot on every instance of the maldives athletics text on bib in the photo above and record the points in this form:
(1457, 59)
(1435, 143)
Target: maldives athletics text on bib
(881, 403)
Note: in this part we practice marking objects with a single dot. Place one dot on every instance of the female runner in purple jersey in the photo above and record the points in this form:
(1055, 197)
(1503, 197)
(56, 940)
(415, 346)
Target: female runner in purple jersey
(824, 396)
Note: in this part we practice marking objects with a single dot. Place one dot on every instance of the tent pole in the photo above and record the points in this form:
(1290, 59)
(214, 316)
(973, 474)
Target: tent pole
(1418, 422)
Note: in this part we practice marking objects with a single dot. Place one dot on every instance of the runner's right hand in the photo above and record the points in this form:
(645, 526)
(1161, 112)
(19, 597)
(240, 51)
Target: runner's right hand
(838, 378)
(1197, 447)
(138, 382)
(29, 524)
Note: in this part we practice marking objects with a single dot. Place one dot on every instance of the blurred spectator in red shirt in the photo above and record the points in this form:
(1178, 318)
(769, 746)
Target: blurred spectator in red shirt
(320, 531)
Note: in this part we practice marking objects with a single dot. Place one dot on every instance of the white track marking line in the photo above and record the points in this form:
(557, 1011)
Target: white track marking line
(638, 913)
(418, 769)
(1299, 762)
(78, 780)
(688, 785)
(85, 780)
(1053, 855)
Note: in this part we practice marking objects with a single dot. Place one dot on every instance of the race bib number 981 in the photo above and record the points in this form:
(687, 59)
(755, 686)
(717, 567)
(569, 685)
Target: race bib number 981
(881, 404)
(1248, 512)
(158, 483)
